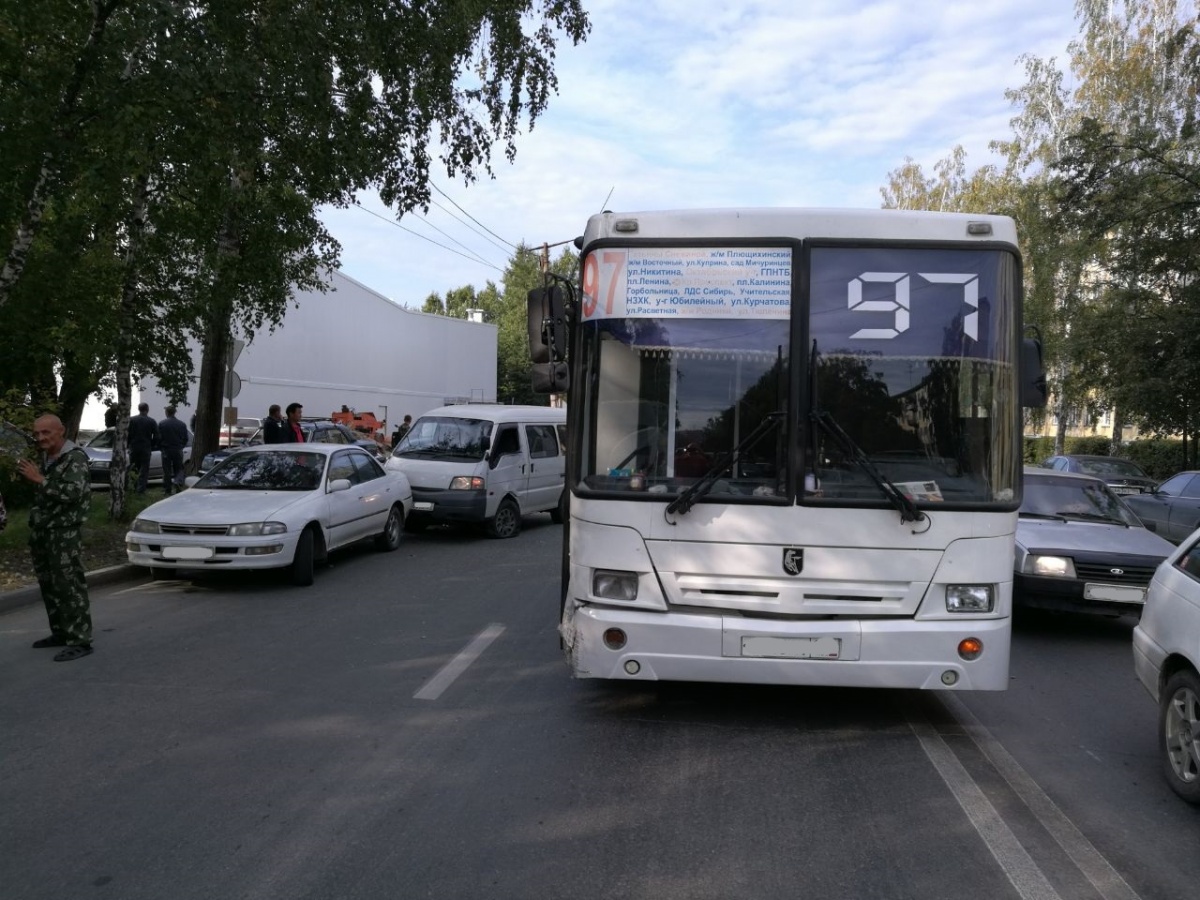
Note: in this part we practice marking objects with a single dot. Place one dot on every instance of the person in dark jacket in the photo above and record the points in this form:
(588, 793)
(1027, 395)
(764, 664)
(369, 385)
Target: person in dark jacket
(143, 440)
(173, 437)
(292, 432)
(274, 426)
(60, 507)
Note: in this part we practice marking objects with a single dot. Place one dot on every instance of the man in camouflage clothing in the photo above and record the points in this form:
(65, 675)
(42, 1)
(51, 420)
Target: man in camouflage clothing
(56, 519)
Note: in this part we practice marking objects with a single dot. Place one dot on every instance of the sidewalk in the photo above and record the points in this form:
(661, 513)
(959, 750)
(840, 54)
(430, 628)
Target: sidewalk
(27, 596)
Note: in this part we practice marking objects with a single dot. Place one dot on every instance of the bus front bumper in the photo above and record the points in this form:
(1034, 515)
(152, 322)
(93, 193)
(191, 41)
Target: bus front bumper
(871, 653)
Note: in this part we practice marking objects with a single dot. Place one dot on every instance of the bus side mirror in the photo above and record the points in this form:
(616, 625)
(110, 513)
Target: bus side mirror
(547, 324)
(550, 378)
(1033, 375)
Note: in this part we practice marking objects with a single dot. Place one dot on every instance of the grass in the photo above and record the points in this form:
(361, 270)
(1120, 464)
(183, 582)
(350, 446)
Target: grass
(103, 539)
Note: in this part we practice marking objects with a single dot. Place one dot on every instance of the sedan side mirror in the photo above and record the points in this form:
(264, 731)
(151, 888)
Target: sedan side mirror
(338, 485)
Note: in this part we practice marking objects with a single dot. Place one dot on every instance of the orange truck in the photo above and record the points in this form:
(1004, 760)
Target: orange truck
(364, 423)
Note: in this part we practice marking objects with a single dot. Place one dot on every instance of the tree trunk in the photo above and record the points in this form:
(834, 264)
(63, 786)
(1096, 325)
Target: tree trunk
(127, 334)
(1118, 431)
(211, 389)
(218, 338)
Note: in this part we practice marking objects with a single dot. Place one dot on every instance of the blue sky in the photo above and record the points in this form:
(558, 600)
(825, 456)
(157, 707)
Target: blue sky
(672, 104)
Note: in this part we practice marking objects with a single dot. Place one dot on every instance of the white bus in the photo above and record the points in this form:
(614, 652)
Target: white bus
(794, 445)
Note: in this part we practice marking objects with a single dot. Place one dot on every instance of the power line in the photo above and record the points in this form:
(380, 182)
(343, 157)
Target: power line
(468, 225)
(471, 217)
(470, 256)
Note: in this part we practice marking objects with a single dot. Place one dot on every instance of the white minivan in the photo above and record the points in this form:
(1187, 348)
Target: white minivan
(484, 463)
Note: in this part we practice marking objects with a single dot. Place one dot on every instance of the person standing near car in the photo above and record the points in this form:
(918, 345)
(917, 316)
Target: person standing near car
(274, 426)
(401, 430)
(292, 432)
(173, 438)
(60, 507)
(143, 440)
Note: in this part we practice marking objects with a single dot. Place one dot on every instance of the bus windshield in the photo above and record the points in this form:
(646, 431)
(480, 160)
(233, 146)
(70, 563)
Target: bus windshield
(909, 349)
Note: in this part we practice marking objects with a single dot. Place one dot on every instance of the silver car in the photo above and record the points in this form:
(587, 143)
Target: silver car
(99, 452)
(1166, 658)
(1079, 547)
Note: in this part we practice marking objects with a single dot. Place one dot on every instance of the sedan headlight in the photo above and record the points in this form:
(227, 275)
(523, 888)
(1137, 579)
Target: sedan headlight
(101, 463)
(1051, 566)
(145, 526)
(467, 483)
(615, 585)
(256, 529)
(970, 598)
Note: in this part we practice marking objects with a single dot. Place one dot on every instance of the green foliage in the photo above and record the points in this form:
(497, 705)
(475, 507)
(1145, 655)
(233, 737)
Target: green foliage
(1160, 458)
(165, 162)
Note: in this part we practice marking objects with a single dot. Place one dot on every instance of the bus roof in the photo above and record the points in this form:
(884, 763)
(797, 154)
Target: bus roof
(799, 223)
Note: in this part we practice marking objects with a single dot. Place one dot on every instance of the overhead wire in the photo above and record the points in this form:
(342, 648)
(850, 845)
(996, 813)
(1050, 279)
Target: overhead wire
(471, 217)
(474, 257)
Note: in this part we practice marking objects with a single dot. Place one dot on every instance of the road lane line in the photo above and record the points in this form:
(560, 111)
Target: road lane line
(432, 689)
(1104, 878)
(1013, 858)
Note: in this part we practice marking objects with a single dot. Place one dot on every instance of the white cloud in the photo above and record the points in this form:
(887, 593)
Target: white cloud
(675, 104)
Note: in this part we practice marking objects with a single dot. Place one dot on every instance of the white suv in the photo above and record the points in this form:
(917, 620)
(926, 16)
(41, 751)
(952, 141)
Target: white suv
(1166, 657)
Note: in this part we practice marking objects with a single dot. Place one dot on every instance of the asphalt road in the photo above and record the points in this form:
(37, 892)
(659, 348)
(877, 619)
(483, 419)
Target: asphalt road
(406, 728)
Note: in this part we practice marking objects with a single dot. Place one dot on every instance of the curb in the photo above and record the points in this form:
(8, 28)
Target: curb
(31, 594)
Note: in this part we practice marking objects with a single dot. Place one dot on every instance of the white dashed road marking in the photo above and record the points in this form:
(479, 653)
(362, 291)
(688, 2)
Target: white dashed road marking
(433, 688)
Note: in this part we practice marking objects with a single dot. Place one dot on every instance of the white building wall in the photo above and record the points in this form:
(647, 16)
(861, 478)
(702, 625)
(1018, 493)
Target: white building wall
(352, 346)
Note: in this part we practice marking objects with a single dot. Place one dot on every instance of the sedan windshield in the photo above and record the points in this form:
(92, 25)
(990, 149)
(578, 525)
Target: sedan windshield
(1069, 498)
(277, 470)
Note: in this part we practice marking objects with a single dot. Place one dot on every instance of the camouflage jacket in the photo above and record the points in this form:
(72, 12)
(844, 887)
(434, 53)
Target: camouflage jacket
(63, 500)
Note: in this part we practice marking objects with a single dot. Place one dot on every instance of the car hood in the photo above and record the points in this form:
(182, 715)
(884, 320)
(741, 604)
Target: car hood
(197, 506)
(94, 454)
(1096, 537)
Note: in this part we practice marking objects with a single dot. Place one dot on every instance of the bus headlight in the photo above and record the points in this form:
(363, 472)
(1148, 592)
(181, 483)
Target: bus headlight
(1053, 566)
(615, 585)
(970, 598)
(466, 483)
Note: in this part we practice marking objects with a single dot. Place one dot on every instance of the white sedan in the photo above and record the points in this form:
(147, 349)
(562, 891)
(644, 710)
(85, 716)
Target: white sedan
(273, 506)
(1166, 658)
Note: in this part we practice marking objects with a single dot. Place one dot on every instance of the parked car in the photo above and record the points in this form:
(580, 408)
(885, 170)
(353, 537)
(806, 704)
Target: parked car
(16, 443)
(1124, 476)
(1173, 506)
(99, 451)
(273, 506)
(1079, 547)
(1166, 658)
(321, 432)
(242, 431)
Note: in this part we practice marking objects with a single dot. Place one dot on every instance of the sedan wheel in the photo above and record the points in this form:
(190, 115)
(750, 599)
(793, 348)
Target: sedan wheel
(393, 528)
(302, 562)
(507, 521)
(1179, 734)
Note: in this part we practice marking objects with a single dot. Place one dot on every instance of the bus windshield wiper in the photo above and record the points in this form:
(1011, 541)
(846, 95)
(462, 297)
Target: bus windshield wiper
(907, 509)
(688, 497)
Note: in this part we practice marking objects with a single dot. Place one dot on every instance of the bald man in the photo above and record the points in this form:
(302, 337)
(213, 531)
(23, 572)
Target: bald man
(60, 506)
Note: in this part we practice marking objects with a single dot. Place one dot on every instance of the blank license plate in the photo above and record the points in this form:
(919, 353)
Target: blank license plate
(792, 647)
(1114, 593)
(422, 505)
(187, 552)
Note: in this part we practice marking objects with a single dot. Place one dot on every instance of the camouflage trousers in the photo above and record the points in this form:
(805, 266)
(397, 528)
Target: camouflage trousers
(58, 562)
